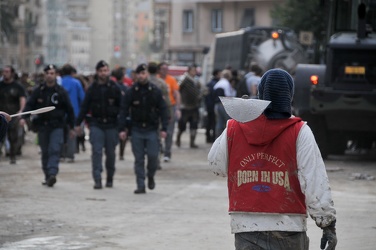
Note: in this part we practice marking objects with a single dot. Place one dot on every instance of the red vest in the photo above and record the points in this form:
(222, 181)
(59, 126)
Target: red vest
(263, 178)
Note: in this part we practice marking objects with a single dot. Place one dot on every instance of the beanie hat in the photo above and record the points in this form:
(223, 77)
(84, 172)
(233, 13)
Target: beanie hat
(101, 64)
(277, 86)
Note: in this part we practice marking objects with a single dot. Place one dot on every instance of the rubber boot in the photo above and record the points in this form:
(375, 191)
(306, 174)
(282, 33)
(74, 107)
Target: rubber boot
(193, 138)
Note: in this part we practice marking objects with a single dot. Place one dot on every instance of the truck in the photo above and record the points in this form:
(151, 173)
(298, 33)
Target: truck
(338, 98)
(269, 47)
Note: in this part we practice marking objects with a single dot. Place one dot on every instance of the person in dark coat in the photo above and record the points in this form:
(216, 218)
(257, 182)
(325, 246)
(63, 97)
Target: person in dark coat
(148, 113)
(50, 125)
(4, 119)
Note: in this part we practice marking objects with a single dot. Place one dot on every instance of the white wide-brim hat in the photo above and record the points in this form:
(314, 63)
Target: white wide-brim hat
(243, 110)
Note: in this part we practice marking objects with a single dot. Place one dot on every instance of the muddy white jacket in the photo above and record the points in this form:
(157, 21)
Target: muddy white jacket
(311, 176)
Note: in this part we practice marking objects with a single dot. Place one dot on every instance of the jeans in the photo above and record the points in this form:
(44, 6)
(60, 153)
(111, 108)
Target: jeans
(271, 240)
(170, 133)
(50, 141)
(100, 139)
(144, 142)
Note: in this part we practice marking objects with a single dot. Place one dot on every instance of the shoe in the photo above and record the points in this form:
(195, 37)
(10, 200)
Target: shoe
(51, 181)
(13, 160)
(166, 159)
(140, 191)
(121, 158)
(70, 160)
(194, 146)
(44, 183)
(109, 183)
(98, 184)
(151, 183)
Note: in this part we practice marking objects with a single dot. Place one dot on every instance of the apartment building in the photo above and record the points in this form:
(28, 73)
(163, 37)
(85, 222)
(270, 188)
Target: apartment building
(188, 27)
(21, 46)
(78, 35)
(112, 31)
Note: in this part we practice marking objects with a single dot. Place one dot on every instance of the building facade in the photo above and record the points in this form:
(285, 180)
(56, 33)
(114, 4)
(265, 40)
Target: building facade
(187, 28)
(22, 44)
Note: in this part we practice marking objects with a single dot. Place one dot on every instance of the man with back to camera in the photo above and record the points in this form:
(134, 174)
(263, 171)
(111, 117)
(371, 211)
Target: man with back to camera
(50, 125)
(147, 109)
(274, 169)
(76, 95)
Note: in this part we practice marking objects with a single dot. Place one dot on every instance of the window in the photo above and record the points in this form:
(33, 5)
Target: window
(187, 21)
(248, 18)
(216, 20)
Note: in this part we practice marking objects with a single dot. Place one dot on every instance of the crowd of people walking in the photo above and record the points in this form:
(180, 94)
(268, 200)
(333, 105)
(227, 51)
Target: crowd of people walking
(110, 108)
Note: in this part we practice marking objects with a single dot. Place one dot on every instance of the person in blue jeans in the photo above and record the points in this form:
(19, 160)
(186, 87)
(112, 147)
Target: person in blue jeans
(50, 125)
(100, 109)
(146, 108)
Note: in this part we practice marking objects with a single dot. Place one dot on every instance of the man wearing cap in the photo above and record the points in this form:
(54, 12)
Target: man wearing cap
(100, 109)
(148, 113)
(50, 125)
(274, 169)
(13, 100)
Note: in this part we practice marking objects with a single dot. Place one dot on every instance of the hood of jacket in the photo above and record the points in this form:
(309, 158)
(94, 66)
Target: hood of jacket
(263, 131)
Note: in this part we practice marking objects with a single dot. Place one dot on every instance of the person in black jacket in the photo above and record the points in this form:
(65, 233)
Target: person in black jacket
(209, 104)
(147, 109)
(50, 125)
(12, 101)
(4, 119)
(101, 108)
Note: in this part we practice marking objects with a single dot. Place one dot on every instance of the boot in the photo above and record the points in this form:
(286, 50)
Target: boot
(98, 184)
(109, 182)
(193, 138)
(178, 138)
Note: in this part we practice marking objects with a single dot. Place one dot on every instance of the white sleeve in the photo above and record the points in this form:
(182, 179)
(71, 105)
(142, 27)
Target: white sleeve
(313, 179)
(218, 155)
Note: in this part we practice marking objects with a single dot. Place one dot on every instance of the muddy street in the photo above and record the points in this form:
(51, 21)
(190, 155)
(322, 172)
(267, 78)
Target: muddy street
(187, 209)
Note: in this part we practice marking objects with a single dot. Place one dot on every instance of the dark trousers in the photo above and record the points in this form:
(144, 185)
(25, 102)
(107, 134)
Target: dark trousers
(145, 143)
(210, 127)
(271, 240)
(15, 137)
(50, 141)
(100, 139)
(190, 116)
